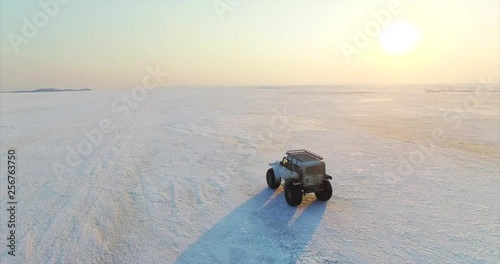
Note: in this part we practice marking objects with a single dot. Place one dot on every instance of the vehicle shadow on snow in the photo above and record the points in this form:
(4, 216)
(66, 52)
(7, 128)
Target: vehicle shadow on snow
(261, 230)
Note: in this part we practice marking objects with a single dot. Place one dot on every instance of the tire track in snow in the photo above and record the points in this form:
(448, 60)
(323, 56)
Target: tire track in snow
(128, 208)
(70, 193)
(38, 136)
(29, 201)
(83, 212)
(75, 191)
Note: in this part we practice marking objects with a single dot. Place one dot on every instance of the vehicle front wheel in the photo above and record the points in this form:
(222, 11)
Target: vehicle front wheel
(326, 193)
(293, 193)
(271, 180)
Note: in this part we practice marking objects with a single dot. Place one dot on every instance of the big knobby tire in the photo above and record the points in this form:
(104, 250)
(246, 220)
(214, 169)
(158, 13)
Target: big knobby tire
(293, 193)
(271, 180)
(326, 193)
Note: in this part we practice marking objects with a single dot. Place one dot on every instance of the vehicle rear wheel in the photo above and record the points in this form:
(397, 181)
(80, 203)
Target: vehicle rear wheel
(271, 180)
(326, 193)
(293, 193)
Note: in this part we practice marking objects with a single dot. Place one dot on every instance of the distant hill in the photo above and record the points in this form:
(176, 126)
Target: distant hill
(49, 90)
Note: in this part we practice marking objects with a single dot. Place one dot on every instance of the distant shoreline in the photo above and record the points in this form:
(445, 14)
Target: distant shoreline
(50, 90)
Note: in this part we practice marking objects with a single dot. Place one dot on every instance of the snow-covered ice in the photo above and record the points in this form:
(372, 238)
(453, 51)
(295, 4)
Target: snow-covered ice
(180, 177)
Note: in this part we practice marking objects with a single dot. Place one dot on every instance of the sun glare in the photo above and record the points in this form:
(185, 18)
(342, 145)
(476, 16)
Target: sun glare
(399, 38)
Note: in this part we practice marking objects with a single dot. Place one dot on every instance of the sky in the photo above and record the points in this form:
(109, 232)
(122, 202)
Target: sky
(109, 44)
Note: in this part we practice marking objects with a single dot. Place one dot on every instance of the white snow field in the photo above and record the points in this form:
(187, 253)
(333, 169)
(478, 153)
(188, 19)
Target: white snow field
(181, 177)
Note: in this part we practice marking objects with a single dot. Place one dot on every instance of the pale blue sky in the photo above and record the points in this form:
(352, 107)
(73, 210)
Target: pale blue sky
(109, 43)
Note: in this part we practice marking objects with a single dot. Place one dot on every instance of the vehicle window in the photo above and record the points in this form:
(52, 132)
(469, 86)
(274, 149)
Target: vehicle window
(296, 168)
(316, 170)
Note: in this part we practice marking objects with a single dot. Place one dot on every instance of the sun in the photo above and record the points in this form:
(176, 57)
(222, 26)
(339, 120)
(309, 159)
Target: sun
(399, 38)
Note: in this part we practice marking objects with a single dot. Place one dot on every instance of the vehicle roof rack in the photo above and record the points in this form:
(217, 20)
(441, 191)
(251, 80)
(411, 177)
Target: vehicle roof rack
(303, 155)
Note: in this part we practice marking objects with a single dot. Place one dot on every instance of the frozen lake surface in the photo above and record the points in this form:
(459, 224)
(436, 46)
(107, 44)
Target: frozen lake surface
(179, 175)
